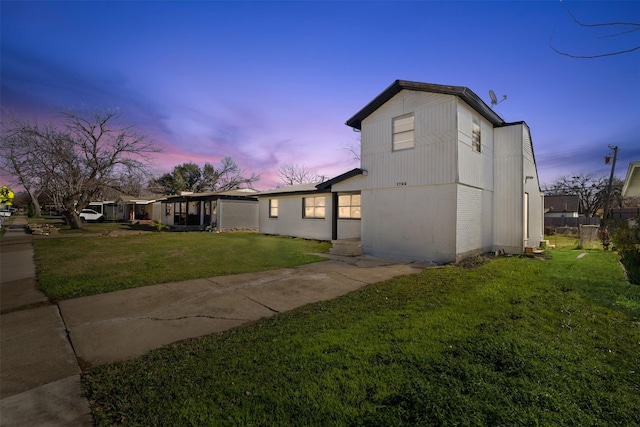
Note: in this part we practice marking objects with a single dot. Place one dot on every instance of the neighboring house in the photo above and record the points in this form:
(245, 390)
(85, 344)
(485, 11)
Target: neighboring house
(442, 177)
(127, 208)
(631, 186)
(226, 210)
(312, 211)
(561, 206)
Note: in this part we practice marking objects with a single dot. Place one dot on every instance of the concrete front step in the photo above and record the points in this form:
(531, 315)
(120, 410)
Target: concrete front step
(346, 247)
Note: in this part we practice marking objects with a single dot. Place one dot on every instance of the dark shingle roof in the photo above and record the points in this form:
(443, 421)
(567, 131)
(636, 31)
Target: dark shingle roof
(464, 93)
(316, 187)
(327, 184)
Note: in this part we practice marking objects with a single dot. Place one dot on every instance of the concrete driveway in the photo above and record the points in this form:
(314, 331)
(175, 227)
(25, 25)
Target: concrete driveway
(129, 323)
(43, 346)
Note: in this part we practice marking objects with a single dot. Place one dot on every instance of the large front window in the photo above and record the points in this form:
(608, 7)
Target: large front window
(403, 132)
(313, 207)
(349, 206)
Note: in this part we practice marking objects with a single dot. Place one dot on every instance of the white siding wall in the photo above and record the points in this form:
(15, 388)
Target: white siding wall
(157, 212)
(290, 221)
(167, 219)
(431, 161)
(508, 190)
(349, 228)
(410, 222)
(409, 196)
(474, 169)
(237, 214)
(474, 221)
(532, 186)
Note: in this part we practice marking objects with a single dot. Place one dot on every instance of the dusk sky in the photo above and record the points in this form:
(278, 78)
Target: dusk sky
(272, 83)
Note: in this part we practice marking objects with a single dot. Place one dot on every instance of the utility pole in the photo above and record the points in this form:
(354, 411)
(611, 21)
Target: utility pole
(608, 197)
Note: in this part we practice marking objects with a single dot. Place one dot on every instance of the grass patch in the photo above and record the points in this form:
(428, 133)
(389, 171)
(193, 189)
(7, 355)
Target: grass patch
(515, 341)
(69, 268)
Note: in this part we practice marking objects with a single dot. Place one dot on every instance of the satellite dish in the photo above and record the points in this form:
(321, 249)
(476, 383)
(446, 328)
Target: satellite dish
(494, 100)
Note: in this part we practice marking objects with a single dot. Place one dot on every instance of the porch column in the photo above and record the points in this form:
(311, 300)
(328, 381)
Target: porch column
(334, 216)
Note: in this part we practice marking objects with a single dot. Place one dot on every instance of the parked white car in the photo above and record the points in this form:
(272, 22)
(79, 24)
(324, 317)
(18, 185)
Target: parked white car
(91, 215)
(5, 213)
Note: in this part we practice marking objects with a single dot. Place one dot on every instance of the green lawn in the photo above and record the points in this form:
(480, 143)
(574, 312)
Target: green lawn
(69, 267)
(515, 341)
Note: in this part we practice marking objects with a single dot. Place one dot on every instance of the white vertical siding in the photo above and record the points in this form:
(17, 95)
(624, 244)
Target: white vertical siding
(237, 214)
(290, 221)
(532, 186)
(431, 161)
(508, 189)
(474, 221)
(410, 223)
(157, 213)
(349, 228)
(474, 168)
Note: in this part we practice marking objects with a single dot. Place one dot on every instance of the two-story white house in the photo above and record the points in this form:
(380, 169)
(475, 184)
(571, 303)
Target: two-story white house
(442, 177)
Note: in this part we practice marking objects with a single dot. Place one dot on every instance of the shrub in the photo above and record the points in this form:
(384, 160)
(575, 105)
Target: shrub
(627, 241)
(159, 225)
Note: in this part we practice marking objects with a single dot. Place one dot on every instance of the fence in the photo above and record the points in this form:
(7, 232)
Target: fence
(625, 213)
(570, 222)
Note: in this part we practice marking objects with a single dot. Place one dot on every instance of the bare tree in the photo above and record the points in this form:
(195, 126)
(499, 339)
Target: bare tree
(353, 148)
(74, 161)
(16, 161)
(621, 28)
(590, 189)
(295, 174)
(190, 177)
(228, 177)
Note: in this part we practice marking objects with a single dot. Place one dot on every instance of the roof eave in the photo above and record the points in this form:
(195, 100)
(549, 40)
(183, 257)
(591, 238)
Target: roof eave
(326, 185)
(462, 92)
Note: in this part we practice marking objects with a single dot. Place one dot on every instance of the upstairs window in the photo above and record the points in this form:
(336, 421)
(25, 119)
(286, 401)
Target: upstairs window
(349, 206)
(403, 132)
(273, 208)
(476, 141)
(313, 207)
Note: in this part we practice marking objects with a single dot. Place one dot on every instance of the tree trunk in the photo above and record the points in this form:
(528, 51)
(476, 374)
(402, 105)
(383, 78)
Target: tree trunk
(71, 217)
(37, 211)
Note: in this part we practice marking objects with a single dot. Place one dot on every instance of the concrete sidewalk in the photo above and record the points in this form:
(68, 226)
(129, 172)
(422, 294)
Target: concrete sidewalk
(39, 374)
(42, 344)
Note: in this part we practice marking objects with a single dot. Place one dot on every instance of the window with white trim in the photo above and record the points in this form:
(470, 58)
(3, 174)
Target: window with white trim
(273, 208)
(476, 141)
(403, 132)
(313, 207)
(349, 206)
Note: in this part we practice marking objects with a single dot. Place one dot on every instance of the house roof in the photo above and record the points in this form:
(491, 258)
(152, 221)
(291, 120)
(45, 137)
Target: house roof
(327, 184)
(561, 203)
(292, 189)
(249, 194)
(125, 198)
(462, 92)
(631, 186)
(315, 187)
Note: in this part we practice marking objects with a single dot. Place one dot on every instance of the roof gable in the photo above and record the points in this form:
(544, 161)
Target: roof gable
(327, 184)
(462, 92)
